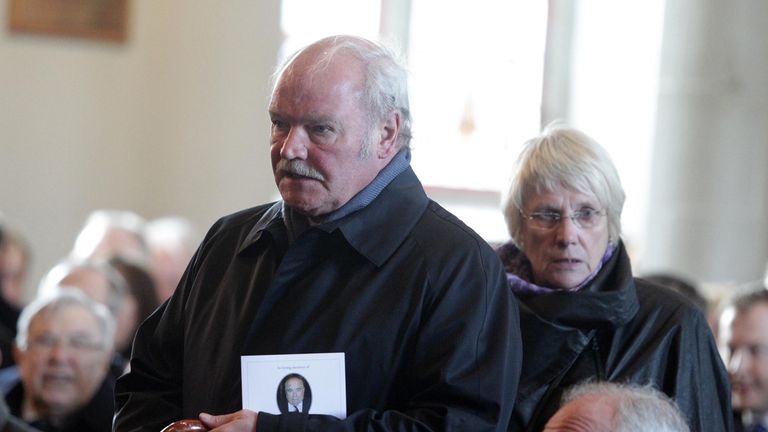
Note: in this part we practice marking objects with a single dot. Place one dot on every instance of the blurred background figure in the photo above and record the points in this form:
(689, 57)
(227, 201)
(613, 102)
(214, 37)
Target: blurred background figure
(63, 350)
(103, 283)
(8, 313)
(171, 240)
(8, 421)
(610, 407)
(743, 341)
(14, 265)
(107, 233)
(141, 299)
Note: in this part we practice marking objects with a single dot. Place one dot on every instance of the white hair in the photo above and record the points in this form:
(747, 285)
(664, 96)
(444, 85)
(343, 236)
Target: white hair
(58, 299)
(638, 408)
(564, 157)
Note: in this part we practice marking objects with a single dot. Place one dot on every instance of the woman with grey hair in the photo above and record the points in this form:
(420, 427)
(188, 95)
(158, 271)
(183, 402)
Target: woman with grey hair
(583, 314)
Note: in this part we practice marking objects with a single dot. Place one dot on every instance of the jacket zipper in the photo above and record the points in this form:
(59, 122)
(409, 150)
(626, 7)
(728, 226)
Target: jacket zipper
(598, 361)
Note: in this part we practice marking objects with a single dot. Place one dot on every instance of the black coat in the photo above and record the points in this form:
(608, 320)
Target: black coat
(96, 416)
(416, 301)
(620, 329)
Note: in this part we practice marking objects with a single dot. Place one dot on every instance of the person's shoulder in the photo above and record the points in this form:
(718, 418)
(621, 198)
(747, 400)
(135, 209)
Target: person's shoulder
(439, 226)
(655, 297)
(446, 240)
(244, 219)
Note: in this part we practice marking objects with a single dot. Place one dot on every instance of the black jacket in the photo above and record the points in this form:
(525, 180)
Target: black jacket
(96, 416)
(11, 423)
(620, 329)
(416, 301)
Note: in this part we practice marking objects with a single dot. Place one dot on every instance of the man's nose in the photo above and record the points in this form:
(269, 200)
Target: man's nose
(59, 352)
(294, 145)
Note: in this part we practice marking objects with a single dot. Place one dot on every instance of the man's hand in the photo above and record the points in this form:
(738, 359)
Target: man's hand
(240, 421)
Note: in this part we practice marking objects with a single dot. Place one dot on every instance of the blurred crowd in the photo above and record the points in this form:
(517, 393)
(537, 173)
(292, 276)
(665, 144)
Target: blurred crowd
(64, 345)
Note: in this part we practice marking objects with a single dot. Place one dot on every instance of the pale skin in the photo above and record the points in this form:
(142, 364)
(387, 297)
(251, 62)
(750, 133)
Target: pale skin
(586, 414)
(564, 256)
(746, 339)
(320, 125)
(294, 391)
(60, 379)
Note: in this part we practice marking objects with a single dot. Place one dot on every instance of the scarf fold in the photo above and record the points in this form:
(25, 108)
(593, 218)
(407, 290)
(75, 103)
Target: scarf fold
(520, 273)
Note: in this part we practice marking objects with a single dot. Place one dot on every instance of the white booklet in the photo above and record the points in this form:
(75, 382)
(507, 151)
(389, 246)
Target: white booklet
(308, 383)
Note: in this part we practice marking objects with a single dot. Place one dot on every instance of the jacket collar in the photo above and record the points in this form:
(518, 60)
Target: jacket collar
(374, 231)
(378, 229)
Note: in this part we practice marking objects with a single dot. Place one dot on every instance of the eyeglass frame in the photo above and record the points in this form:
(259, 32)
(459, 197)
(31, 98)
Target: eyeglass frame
(48, 341)
(559, 218)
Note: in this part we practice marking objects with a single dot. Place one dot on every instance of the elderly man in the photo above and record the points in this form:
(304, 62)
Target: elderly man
(354, 259)
(743, 339)
(611, 407)
(63, 350)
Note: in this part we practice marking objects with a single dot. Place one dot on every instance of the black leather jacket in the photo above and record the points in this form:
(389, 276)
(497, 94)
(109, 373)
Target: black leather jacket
(622, 329)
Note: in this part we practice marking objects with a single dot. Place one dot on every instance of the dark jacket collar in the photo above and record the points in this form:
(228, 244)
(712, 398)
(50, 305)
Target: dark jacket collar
(374, 231)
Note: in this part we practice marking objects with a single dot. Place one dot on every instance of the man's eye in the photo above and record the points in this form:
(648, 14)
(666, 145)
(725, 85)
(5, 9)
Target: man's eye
(277, 124)
(547, 217)
(320, 129)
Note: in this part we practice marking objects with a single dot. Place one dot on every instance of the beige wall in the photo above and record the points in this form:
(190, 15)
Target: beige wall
(174, 122)
(171, 122)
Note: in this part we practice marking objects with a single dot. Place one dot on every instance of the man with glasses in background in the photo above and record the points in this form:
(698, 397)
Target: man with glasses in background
(63, 349)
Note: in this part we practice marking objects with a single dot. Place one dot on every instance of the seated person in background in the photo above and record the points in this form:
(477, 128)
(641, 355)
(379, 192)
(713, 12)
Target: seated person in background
(63, 349)
(141, 294)
(14, 265)
(107, 233)
(9, 315)
(743, 339)
(172, 241)
(611, 407)
(99, 280)
(8, 421)
(582, 313)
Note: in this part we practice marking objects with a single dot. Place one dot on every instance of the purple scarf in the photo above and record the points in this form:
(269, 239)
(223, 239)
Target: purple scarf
(521, 286)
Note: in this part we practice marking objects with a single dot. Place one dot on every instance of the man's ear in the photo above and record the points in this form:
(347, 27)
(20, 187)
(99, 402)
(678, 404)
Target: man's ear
(390, 130)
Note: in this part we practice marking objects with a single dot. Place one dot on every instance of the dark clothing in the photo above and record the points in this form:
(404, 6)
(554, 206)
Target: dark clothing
(10, 423)
(9, 315)
(621, 329)
(94, 417)
(415, 299)
(745, 423)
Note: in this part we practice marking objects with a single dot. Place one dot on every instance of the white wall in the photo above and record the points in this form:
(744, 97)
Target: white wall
(174, 122)
(708, 212)
(171, 122)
